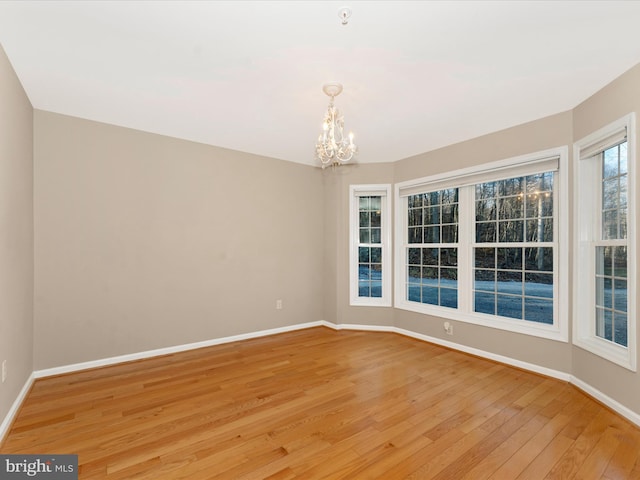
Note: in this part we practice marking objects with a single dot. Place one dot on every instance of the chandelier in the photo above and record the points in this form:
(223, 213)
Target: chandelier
(333, 149)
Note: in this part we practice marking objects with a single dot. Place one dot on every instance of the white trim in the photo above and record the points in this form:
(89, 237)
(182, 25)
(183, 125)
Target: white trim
(75, 367)
(383, 191)
(604, 138)
(528, 164)
(587, 233)
(15, 407)
(607, 400)
(461, 348)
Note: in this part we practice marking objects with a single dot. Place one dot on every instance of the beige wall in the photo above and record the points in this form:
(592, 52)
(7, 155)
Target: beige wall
(337, 230)
(145, 241)
(617, 99)
(16, 234)
(550, 132)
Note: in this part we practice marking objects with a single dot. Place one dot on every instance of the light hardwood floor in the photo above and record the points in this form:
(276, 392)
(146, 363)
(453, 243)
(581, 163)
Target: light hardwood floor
(317, 403)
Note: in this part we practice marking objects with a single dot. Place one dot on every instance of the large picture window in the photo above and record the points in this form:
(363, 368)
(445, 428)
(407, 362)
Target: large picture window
(482, 245)
(605, 244)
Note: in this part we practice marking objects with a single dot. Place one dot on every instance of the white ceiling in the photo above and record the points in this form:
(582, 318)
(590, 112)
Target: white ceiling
(248, 75)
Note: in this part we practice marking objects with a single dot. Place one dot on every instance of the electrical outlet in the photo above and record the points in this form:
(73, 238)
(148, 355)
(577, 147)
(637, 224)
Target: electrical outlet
(448, 328)
(278, 304)
(4, 370)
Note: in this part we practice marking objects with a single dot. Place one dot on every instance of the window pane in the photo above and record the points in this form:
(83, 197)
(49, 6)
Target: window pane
(415, 201)
(364, 289)
(430, 256)
(413, 256)
(609, 224)
(415, 235)
(620, 262)
(485, 280)
(510, 207)
(538, 285)
(486, 232)
(511, 186)
(415, 217)
(540, 258)
(610, 163)
(430, 273)
(509, 258)
(432, 198)
(539, 205)
(623, 158)
(413, 293)
(375, 218)
(620, 295)
(364, 203)
(450, 234)
(485, 303)
(450, 213)
(429, 295)
(486, 209)
(539, 183)
(365, 219)
(540, 230)
(364, 254)
(509, 306)
(511, 231)
(449, 277)
(376, 203)
(449, 297)
(485, 257)
(364, 235)
(509, 282)
(486, 190)
(610, 194)
(414, 274)
(375, 235)
(620, 329)
(364, 272)
(431, 234)
(432, 215)
(538, 310)
(448, 257)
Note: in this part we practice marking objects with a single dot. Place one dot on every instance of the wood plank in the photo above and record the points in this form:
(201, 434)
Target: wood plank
(318, 404)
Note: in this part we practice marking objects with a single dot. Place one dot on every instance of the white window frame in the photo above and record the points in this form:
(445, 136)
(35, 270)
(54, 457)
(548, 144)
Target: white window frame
(465, 179)
(383, 191)
(587, 233)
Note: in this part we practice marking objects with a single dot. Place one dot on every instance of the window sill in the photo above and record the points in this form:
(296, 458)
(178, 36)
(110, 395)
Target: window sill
(549, 332)
(608, 351)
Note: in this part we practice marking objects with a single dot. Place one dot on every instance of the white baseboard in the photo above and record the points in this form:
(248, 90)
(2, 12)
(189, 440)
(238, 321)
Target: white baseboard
(462, 348)
(598, 395)
(168, 350)
(608, 401)
(11, 414)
